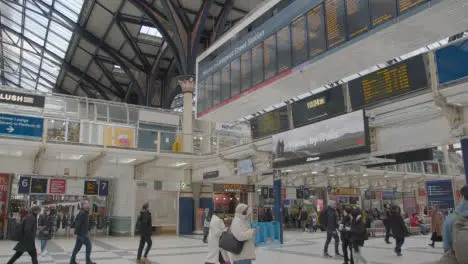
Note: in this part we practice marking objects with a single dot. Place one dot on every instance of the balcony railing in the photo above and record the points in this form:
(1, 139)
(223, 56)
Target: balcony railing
(425, 167)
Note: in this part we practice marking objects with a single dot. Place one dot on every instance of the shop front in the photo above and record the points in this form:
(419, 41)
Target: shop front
(345, 196)
(228, 196)
(63, 197)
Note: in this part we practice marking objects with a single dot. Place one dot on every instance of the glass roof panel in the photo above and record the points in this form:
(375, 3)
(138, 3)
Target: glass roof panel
(38, 58)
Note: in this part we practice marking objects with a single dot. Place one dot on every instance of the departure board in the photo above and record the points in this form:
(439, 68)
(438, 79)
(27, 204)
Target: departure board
(246, 71)
(405, 5)
(316, 23)
(336, 25)
(216, 88)
(299, 40)
(201, 97)
(257, 64)
(382, 11)
(209, 92)
(284, 49)
(270, 123)
(357, 17)
(225, 83)
(318, 107)
(401, 78)
(235, 77)
(269, 56)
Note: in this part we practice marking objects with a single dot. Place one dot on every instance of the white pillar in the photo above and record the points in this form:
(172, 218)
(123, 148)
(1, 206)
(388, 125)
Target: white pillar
(187, 83)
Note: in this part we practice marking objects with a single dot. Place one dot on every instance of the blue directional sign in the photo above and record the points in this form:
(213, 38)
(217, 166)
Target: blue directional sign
(21, 126)
(24, 185)
(440, 192)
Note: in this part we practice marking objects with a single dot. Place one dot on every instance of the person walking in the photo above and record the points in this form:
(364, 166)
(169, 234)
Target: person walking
(145, 227)
(344, 228)
(387, 214)
(206, 224)
(398, 228)
(313, 221)
(82, 227)
(303, 216)
(27, 238)
(45, 227)
(241, 230)
(215, 254)
(331, 225)
(357, 236)
(437, 223)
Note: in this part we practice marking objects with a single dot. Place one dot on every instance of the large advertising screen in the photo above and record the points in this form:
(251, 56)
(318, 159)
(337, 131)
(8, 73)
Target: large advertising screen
(340, 136)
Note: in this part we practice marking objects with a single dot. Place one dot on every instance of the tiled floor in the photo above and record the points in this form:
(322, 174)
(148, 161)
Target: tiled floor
(298, 248)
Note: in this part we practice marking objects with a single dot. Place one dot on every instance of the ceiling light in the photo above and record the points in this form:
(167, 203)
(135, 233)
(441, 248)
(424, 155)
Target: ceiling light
(287, 170)
(12, 153)
(62, 156)
(365, 175)
(314, 172)
(178, 164)
(116, 160)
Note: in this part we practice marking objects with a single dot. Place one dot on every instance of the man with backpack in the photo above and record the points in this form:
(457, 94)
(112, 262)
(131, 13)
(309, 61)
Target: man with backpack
(26, 237)
(82, 226)
(329, 221)
(455, 232)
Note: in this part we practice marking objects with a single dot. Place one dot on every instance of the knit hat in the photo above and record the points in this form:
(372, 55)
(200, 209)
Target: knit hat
(36, 209)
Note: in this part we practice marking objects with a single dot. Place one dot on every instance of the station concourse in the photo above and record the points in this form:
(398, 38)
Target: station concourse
(155, 121)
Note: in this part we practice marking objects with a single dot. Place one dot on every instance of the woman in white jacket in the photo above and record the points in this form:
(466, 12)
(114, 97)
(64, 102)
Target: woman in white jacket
(241, 230)
(217, 227)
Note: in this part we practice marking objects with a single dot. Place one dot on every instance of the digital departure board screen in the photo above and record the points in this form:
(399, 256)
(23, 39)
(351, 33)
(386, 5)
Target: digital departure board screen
(216, 88)
(401, 78)
(299, 40)
(357, 17)
(317, 39)
(235, 77)
(225, 83)
(318, 107)
(336, 22)
(382, 11)
(269, 56)
(257, 64)
(246, 71)
(209, 92)
(270, 123)
(201, 97)
(405, 5)
(284, 49)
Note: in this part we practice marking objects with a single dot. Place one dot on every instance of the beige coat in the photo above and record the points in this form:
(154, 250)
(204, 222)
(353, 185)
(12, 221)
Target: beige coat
(437, 222)
(241, 230)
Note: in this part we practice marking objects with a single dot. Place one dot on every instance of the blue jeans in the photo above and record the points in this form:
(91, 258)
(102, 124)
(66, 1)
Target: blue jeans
(80, 241)
(245, 261)
(43, 245)
(398, 244)
(304, 224)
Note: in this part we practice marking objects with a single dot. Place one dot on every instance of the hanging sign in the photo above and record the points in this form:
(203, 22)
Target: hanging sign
(57, 186)
(24, 99)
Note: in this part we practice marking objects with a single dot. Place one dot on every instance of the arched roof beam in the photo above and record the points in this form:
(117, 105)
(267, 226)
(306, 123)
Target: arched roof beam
(220, 25)
(155, 70)
(168, 93)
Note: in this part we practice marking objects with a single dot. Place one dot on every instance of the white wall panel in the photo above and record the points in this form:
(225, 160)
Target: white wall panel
(16, 165)
(160, 118)
(413, 136)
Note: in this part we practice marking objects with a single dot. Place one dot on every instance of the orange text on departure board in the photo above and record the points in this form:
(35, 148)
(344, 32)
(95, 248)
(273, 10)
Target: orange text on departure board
(385, 82)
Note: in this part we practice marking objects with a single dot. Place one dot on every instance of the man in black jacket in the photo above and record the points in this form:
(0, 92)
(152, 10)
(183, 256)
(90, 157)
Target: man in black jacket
(388, 213)
(81, 233)
(332, 228)
(398, 227)
(26, 242)
(145, 227)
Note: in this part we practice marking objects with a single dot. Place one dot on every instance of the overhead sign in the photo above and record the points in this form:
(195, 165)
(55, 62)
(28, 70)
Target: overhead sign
(339, 136)
(318, 107)
(57, 186)
(24, 185)
(452, 61)
(270, 123)
(39, 185)
(210, 175)
(440, 193)
(21, 126)
(233, 188)
(103, 188)
(24, 99)
(401, 78)
(91, 188)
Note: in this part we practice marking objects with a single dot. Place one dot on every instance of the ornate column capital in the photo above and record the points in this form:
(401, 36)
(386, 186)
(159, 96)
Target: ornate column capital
(186, 82)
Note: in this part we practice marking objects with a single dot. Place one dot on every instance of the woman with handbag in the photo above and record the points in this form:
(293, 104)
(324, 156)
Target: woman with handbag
(241, 230)
(215, 253)
(437, 223)
(45, 229)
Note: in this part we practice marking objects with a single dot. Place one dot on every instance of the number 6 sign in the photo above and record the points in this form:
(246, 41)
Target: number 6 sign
(103, 188)
(24, 185)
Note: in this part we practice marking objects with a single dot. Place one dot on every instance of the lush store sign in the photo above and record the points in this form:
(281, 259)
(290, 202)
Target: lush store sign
(23, 99)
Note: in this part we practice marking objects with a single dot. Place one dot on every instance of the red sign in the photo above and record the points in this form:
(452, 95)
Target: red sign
(422, 192)
(57, 186)
(3, 198)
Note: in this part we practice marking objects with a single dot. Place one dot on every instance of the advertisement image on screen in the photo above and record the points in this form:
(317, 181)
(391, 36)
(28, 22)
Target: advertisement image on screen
(245, 166)
(339, 136)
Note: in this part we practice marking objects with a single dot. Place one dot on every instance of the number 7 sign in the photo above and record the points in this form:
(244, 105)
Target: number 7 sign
(103, 188)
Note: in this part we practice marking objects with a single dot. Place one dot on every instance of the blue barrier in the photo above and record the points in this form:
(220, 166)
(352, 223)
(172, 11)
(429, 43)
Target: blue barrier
(268, 233)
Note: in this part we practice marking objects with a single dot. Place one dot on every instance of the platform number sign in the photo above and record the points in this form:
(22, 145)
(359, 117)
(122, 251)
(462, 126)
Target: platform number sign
(24, 185)
(103, 188)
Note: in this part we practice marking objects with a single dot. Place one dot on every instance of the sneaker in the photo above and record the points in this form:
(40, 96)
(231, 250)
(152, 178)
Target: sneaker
(146, 260)
(431, 245)
(338, 255)
(326, 255)
(399, 254)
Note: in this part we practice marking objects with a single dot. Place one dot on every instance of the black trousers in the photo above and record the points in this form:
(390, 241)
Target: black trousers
(143, 240)
(387, 231)
(330, 235)
(18, 254)
(346, 247)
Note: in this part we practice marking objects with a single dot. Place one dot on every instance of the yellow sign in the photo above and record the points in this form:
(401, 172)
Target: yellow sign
(315, 102)
(345, 191)
(123, 137)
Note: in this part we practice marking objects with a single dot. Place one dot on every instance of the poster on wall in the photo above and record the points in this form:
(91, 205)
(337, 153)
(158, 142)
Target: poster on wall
(440, 193)
(3, 198)
(123, 137)
(57, 186)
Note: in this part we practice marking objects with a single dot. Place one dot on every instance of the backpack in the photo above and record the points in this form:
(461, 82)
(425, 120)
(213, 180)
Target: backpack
(323, 219)
(460, 238)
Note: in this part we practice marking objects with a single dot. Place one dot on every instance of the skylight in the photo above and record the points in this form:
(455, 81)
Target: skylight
(150, 31)
(35, 40)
